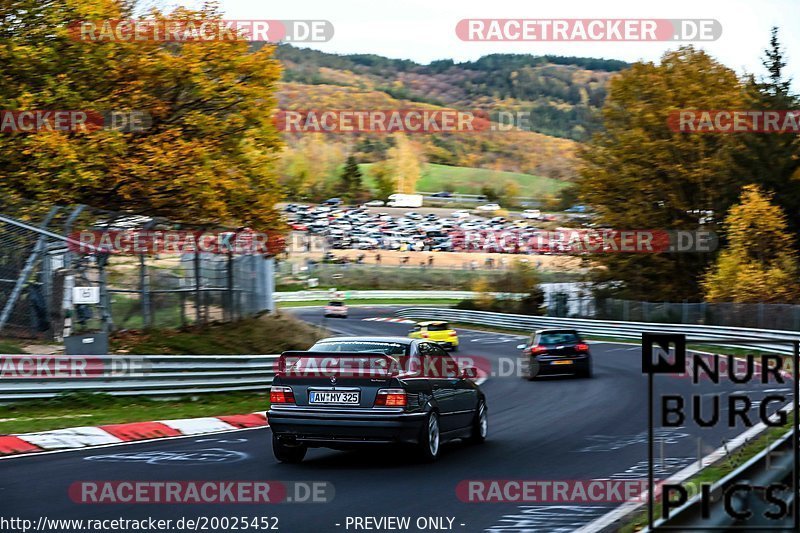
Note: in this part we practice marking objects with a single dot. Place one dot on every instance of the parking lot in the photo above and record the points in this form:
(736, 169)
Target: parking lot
(412, 230)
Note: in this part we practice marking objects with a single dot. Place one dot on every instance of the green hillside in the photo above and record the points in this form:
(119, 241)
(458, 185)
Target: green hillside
(467, 180)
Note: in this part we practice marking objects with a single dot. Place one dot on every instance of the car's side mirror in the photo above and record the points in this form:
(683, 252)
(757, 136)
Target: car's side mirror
(521, 346)
(469, 372)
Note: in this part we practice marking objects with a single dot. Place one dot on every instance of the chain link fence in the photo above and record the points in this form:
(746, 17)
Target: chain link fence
(745, 315)
(41, 263)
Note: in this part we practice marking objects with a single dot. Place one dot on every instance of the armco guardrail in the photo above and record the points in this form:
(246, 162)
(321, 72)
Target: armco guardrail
(307, 296)
(145, 375)
(603, 328)
(181, 375)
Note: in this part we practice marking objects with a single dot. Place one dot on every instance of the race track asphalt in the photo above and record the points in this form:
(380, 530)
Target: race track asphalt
(548, 429)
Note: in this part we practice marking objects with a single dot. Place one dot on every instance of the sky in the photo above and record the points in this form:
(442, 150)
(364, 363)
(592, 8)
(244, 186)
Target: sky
(424, 30)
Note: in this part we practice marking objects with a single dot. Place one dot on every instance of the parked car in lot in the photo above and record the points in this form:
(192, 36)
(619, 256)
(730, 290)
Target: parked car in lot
(460, 214)
(436, 331)
(375, 203)
(336, 308)
(488, 207)
(534, 214)
(333, 202)
(373, 390)
(557, 351)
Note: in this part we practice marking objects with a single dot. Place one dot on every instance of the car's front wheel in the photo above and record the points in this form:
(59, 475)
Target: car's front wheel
(430, 438)
(286, 453)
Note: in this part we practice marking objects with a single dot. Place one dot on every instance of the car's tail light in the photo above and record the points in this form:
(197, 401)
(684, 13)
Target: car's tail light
(424, 335)
(453, 333)
(538, 349)
(391, 398)
(281, 395)
(582, 347)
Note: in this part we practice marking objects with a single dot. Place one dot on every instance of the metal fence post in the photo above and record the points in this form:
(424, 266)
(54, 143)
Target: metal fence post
(105, 300)
(197, 316)
(269, 263)
(231, 312)
(145, 293)
(38, 248)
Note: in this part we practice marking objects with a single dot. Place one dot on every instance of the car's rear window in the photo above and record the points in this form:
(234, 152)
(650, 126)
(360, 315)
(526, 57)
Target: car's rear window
(438, 327)
(336, 304)
(559, 338)
(387, 348)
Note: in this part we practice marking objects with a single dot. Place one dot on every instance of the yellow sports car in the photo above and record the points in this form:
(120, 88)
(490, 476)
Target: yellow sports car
(436, 331)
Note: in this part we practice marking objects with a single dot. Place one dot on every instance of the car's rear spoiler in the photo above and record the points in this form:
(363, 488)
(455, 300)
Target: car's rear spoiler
(337, 364)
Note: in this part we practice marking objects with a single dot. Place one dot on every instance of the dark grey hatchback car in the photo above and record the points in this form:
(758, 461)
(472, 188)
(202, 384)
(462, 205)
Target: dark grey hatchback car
(346, 392)
(557, 351)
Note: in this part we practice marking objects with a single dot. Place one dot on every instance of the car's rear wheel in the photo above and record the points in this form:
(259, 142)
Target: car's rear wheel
(480, 424)
(533, 368)
(454, 347)
(286, 453)
(586, 372)
(430, 438)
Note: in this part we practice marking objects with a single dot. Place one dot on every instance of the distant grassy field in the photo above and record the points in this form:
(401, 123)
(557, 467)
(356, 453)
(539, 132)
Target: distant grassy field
(468, 180)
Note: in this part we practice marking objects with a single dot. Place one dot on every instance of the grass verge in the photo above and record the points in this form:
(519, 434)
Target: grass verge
(74, 410)
(10, 347)
(267, 334)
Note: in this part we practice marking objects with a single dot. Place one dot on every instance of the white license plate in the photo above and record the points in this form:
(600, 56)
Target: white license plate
(335, 397)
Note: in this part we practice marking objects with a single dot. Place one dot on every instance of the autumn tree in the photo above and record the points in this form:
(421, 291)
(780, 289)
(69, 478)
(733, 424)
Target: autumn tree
(404, 162)
(773, 160)
(208, 156)
(351, 187)
(307, 165)
(759, 263)
(509, 193)
(639, 174)
(384, 181)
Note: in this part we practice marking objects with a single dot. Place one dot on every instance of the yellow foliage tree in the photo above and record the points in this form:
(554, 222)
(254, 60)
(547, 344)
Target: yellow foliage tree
(404, 162)
(208, 155)
(484, 299)
(759, 264)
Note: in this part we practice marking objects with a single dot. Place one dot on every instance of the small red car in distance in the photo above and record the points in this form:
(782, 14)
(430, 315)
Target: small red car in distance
(557, 352)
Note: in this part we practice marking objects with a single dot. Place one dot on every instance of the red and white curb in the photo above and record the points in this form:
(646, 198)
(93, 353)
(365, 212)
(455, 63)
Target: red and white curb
(386, 319)
(82, 437)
